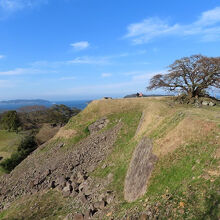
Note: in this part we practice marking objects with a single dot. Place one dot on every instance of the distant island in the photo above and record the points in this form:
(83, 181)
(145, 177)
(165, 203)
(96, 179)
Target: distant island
(26, 101)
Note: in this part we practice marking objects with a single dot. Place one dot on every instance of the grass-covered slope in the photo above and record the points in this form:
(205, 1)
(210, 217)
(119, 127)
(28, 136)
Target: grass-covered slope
(9, 142)
(185, 181)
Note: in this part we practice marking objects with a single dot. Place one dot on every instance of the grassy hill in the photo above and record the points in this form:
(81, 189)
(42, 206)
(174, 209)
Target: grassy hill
(185, 180)
(9, 142)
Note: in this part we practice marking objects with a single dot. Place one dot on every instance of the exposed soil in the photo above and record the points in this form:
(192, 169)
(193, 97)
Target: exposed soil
(139, 171)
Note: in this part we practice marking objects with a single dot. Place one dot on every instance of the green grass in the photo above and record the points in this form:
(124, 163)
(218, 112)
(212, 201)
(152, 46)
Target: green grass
(123, 149)
(179, 188)
(179, 177)
(49, 205)
(9, 142)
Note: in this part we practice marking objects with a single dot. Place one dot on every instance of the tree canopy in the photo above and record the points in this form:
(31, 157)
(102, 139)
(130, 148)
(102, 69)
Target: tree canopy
(10, 121)
(191, 75)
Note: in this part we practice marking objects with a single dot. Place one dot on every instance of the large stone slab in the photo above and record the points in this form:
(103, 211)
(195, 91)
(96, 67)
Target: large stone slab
(139, 170)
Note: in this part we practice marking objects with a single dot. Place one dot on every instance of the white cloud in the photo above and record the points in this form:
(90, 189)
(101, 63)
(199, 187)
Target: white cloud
(2, 56)
(89, 60)
(145, 76)
(206, 27)
(82, 45)
(23, 71)
(105, 75)
(14, 5)
(210, 17)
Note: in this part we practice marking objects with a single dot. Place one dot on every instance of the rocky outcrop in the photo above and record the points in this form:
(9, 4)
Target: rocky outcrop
(64, 169)
(98, 125)
(210, 103)
(139, 171)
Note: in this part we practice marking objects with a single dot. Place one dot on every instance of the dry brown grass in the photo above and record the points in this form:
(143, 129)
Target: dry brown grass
(46, 133)
(197, 124)
(100, 108)
(65, 133)
(153, 114)
(188, 130)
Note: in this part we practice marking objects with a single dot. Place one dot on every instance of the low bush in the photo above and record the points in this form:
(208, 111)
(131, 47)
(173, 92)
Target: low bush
(24, 149)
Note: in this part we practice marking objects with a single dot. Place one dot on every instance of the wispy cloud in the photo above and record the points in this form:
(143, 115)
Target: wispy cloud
(23, 71)
(89, 60)
(145, 76)
(2, 56)
(81, 45)
(105, 75)
(206, 27)
(15, 5)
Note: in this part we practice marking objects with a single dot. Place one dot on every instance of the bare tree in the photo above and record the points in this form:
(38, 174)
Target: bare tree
(191, 75)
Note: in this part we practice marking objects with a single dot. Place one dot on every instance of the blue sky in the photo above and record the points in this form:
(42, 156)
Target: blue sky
(85, 49)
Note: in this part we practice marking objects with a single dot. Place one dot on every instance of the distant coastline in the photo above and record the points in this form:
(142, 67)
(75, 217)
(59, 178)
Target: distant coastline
(18, 103)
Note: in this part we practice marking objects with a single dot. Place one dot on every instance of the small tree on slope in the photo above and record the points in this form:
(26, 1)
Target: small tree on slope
(191, 75)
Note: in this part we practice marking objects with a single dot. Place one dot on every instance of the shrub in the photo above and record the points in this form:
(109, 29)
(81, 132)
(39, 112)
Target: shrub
(10, 121)
(24, 149)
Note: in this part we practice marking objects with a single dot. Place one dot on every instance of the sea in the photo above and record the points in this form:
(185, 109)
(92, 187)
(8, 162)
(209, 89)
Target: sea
(80, 104)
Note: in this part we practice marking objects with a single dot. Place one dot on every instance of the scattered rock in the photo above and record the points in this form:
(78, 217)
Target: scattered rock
(66, 171)
(206, 103)
(88, 215)
(212, 104)
(60, 145)
(67, 190)
(83, 198)
(99, 205)
(98, 125)
(103, 166)
(110, 198)
(78, 216)
(110, 177)
(61, 181)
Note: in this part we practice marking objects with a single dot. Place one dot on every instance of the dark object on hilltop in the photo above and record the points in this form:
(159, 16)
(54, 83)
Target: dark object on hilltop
(190, 75)
(107, 98)
(139, 94)
(10, 121)
(135, 95)
(24, 149)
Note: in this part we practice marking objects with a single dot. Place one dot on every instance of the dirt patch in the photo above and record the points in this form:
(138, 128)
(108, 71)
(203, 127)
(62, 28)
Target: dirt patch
(187, 130)
(46, 133)
(65, 133)
(139, 171)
